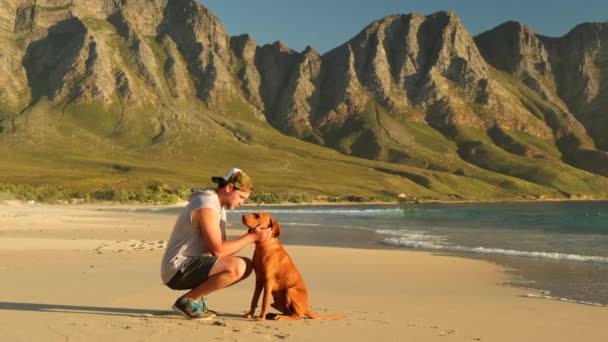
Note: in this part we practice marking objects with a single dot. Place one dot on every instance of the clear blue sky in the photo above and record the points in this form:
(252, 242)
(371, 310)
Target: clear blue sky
(325, 24)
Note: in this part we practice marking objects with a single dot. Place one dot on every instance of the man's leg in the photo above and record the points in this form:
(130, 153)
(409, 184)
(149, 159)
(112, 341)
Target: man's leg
(228, 270)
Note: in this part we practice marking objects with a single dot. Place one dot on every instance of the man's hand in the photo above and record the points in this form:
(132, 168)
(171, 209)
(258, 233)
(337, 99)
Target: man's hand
(261, 232)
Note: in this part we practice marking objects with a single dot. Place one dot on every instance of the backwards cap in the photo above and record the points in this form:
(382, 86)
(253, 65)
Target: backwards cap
(237, 177)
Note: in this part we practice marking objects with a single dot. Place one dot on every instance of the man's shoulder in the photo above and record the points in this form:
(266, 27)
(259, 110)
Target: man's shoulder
(203, 196)
(203, 192)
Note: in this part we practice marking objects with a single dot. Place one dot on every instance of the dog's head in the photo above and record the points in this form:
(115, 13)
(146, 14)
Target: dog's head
(261, 218)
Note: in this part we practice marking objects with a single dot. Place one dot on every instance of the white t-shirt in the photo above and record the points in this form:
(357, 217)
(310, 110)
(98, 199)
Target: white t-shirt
(186, 239)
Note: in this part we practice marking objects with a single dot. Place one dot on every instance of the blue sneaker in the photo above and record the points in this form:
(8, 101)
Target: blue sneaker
(192, 310)
(203, 305)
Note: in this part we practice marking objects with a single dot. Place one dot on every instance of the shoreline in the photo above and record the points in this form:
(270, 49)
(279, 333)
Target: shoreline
(512, 282)
(131, 210)
(101, 275)
(291, 204)
(544, 294)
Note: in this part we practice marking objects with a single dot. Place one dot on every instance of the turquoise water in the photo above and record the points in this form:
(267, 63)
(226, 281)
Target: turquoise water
(558, 247)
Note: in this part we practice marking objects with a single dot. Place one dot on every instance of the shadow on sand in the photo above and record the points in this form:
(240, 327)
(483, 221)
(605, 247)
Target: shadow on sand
(99, 310)
(94, 310)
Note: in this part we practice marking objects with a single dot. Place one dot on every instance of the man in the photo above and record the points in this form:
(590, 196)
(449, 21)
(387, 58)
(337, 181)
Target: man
(199, 258)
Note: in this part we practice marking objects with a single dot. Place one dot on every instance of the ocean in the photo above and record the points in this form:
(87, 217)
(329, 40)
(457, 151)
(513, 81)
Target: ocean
(559, 248)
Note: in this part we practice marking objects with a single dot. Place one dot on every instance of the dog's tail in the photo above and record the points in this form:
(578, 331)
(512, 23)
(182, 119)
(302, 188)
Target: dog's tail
(315, 316)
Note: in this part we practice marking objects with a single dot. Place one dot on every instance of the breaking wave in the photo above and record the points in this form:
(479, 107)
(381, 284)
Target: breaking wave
(419, 240)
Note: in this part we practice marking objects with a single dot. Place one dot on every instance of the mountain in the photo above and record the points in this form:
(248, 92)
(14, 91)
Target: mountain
(569, 74)
(124, 92)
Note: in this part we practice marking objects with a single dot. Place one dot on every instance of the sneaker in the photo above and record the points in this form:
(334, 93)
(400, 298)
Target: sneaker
(203, 305)
(191, 309)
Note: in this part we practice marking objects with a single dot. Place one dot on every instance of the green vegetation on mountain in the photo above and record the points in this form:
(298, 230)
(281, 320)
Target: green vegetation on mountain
(142, 100)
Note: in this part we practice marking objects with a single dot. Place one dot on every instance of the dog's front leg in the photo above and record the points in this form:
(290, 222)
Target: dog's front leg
(268, 285)
(259, 284)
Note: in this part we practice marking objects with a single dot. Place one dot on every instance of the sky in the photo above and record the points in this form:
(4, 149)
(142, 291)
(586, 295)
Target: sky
(326, 24)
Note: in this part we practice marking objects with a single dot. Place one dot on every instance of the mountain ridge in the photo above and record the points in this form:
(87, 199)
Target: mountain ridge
(419, 95)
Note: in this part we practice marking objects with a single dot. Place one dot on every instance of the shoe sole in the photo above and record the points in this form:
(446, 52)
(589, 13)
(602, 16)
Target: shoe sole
(176, 309)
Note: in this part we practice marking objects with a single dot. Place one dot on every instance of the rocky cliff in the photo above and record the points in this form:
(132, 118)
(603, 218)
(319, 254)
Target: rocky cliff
(568, 73)
(408, 89)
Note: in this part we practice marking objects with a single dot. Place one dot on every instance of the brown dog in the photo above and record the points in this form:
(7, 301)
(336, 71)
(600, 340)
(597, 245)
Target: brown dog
(276, 273)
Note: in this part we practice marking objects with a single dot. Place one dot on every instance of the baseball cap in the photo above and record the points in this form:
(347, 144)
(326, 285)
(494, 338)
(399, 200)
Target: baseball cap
(237, 177)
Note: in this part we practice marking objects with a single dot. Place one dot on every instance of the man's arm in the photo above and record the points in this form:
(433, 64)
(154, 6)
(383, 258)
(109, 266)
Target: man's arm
(206, 219)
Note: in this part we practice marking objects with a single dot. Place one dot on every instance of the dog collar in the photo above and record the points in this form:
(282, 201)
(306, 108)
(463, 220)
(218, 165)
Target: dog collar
(267, 242)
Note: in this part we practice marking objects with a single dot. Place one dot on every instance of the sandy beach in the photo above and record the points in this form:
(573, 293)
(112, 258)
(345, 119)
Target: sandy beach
(86, 273)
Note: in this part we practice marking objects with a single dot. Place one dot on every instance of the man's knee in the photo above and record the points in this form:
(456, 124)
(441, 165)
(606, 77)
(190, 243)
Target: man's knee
(240, 267)
(244, 267)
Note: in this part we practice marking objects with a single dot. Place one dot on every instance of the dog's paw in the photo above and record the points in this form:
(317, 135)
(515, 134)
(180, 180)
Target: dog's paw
(247, 315)
(271, 316)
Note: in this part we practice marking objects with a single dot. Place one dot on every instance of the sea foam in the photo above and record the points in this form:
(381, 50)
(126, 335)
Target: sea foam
(420, 241)
(334, 211)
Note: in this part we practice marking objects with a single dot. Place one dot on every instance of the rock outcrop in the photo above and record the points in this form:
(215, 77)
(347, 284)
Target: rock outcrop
(568, 74)
(408, 89)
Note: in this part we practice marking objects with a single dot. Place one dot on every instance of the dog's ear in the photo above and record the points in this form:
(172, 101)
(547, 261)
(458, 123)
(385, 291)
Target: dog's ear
(276, 227)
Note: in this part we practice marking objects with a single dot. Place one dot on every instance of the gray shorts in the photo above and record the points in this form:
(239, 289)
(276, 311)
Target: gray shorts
(193, 273)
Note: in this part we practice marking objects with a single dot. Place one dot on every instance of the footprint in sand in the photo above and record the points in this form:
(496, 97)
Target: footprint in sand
(130, 246)
(447, 332)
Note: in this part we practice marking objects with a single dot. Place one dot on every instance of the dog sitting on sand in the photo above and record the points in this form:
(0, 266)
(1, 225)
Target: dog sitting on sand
(278, 276)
